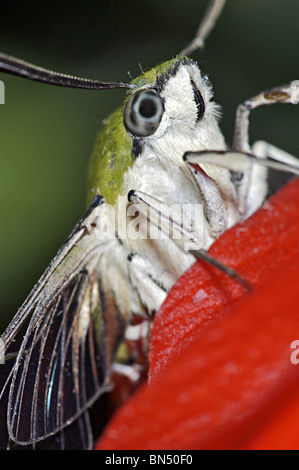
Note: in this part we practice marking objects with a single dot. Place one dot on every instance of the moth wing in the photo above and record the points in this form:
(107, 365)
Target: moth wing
(65, 357)
(76, 436)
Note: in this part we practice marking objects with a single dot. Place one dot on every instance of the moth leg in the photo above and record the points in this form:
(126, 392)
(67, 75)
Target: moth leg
(165, 233)
(279, 94)
(263, 149)
(168, 221)
(244, 165)
(252, 187)
(249, 181)
(151, 290)
(188, 240)
(258, 179)
(213, 203)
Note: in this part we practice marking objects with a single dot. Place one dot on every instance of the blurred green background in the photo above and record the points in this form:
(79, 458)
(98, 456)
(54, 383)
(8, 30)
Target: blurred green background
(47, 133)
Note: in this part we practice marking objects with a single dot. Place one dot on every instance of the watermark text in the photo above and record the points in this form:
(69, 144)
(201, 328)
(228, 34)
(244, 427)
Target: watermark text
(295, 354)
(295, 92)
(2, 92)
(180, 222)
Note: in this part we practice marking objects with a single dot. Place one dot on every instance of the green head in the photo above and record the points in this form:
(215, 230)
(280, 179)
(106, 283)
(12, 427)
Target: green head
(117, 145)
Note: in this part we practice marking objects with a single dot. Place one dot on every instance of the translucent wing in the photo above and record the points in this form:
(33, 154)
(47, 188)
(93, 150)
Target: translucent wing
(76, 436)
(65, 357)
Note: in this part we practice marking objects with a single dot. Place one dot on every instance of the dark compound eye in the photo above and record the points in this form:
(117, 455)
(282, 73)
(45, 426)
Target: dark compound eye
(143, 113)
(198, 101)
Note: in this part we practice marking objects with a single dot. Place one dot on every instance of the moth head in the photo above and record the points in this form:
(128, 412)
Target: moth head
(173, 97)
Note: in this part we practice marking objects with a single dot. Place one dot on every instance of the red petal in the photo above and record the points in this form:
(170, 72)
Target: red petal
(257, 249)
(232, 381)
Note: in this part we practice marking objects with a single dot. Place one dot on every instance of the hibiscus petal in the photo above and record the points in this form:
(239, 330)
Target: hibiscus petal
(257, 248)
(221, 374)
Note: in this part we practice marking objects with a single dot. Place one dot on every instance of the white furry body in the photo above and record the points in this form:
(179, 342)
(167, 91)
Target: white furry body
(161, 172)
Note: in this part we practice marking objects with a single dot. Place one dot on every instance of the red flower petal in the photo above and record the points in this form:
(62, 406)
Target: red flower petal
(257, 248)
(229, 379)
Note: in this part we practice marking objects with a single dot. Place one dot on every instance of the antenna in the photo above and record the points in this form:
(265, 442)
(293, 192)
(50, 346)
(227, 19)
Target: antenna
(14, 66)
(208, 22)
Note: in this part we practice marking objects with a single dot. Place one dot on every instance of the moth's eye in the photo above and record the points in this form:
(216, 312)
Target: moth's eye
(143, 113)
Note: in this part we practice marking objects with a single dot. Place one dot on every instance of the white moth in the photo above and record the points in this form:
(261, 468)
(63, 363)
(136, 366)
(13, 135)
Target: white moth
(170, 173)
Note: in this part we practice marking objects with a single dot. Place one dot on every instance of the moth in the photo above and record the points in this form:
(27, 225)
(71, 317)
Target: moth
(163, 186)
